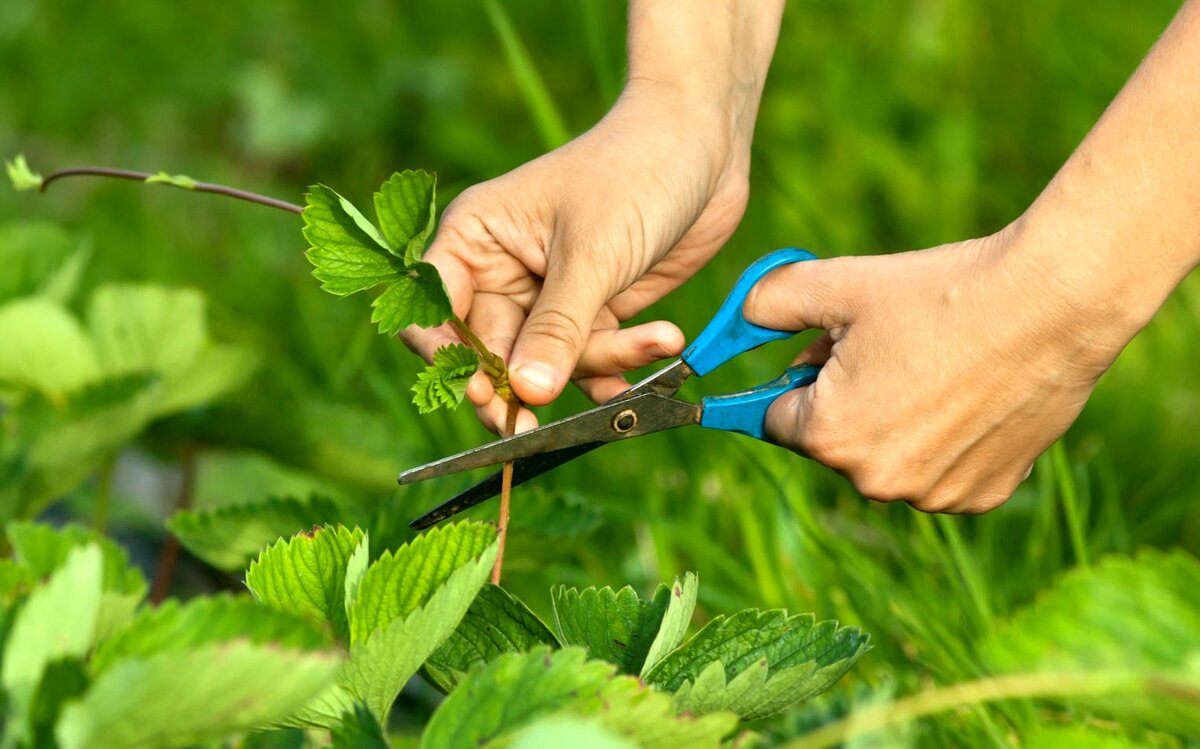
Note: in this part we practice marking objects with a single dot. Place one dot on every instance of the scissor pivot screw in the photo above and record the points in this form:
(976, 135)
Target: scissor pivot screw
(625, 421)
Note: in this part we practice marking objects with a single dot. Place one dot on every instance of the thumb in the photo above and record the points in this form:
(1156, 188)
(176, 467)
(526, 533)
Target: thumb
(786, 418)
(820, 294)
(556, 331)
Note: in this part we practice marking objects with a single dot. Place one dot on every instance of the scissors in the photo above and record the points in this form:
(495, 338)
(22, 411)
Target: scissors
(647, 407)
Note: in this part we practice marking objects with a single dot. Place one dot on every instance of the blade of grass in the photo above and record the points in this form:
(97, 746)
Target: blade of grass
(936, 701)
(596, 36)
(546, 115)
(972, 579)
(1070, 501)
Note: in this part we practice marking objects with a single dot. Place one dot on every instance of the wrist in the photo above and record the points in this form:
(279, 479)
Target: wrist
(696, 127)
(710, 59)
(1090, 281)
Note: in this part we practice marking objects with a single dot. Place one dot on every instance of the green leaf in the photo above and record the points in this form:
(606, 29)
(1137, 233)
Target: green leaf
(192, 696)
(144, 328)
(147, 328)
(569, 730)
(402, 581)
(406, 206)
(173, 626)
(1133, 614)
(356, 567)
(416, 297)
(230, 536)
(57, 621)
(63, 681)
(45, 349)
(22, 177)
(615, 626)
(515, 690)
(347, 253)
(16, 581)
(757, 663)
(175, 180)
(62, 440)
(444, 383)
(43, 549)
(358, 729)
(408, 603)
(306, 575)
(40, 259)
(675, 622)
(497, 622)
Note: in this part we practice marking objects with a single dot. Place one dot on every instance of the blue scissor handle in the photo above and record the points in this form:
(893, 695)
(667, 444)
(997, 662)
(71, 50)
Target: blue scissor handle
(746, 412)
(729, 333)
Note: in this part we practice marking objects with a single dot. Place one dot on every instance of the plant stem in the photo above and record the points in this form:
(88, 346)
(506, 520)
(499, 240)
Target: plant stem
(170, 551)
(231, 192)
(506, 477)
(494, 367)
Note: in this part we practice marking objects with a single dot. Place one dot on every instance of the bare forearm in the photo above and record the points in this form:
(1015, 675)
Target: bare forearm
(715, 53)
(1122, 217)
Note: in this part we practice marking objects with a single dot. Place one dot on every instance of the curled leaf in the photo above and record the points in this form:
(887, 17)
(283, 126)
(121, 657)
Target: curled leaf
(23, 178)
(444, 383)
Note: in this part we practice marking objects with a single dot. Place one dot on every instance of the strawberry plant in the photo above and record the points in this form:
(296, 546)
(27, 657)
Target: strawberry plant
(350, 254)
(345, 624)
(331, 635)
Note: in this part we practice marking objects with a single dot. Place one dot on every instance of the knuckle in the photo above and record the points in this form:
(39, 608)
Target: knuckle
(881, 486)
(828, 445)
(499, 343)
(891, 478)
(937, 501)
(623, 360)
(556, 325)
(990, 500)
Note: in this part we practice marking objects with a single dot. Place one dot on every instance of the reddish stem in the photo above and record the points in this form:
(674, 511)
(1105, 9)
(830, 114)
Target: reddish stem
(231, 192)
(506, 476)
(170, 551)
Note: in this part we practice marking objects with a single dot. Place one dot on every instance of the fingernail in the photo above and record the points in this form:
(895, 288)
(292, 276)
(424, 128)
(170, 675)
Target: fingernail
(537, 375)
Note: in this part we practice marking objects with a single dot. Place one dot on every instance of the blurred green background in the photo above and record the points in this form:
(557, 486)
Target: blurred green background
(885, 126)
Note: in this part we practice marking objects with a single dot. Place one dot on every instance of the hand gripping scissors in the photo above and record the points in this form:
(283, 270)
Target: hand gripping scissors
(645, 408)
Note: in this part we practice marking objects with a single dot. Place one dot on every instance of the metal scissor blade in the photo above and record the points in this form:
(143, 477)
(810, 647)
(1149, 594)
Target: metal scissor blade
(523, 470)
(665, 381)
(618, 419)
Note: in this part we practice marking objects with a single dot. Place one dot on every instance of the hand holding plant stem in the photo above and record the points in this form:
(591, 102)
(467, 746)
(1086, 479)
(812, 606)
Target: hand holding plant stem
(546, 261)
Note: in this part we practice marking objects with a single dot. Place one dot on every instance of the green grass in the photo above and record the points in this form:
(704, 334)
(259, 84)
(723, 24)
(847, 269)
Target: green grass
(885, 126)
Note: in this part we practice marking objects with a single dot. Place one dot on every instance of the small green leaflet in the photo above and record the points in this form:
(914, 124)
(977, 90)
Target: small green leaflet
(416, 297)
(23, 178)
(444, 383)
(349, 254)
(406, 205)
(175, 180)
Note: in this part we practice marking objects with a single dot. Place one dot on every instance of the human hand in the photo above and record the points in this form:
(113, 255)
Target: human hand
(546, 261)
(946, 372)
